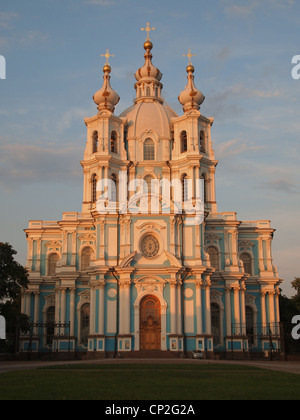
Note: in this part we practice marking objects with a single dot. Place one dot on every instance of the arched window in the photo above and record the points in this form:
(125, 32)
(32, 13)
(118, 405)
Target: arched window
(114, 192)
(86, 257)
(94, 188)
(149, 153)
(214, 257)
(52, 264)
(215, 323)
(246, 259)
(114, 142)
(95, 141)
(184, 182)
(85, 323)
(50, 320)
(148, 93)
(250, 323)
(202, 142)
(148, 179)
(183, 141)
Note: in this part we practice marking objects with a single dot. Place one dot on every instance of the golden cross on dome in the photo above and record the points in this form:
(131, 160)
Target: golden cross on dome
(107, 55)
(189, 55)
(148, 29)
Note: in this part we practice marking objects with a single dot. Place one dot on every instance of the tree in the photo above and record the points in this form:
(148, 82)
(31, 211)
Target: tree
(296, 298)
(13, 277)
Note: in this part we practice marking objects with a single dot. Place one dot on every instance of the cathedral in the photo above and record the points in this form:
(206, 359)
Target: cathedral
(150, 265)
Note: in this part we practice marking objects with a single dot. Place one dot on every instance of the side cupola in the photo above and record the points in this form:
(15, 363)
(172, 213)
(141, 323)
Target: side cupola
(106, 98)
(191, 97)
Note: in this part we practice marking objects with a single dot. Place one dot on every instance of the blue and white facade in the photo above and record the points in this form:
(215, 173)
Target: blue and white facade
(121, 278)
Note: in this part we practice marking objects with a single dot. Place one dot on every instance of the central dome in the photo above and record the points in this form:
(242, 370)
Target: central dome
(149, 115)
(149, 112)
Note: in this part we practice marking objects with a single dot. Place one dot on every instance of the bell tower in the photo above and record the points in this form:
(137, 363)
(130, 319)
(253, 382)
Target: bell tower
(192, 140)
(105, 155)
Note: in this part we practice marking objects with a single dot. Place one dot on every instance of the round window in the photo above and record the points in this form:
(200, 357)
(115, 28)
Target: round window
(150, 246)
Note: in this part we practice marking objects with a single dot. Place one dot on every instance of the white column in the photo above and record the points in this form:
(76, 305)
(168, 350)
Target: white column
(124, 301)
(101, 309)
(207, 305)
(57, 308)
(243, 308)
(28, 303)
(269, 254)
(63, 309)
(121, 310)
(173, 307)
(72, 311)
(38, 256)
(271, 309)
(127, 308)
(36, 309)
(199, 308)
(237, 318)
(163, 327)
(277, 294)
(179, 312)
(172, 235)
(263, 311)
(260, 255)
(92, 310)
(228, 310)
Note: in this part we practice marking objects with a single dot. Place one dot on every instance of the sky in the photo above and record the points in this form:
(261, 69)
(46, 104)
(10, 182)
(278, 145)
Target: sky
(243, 66)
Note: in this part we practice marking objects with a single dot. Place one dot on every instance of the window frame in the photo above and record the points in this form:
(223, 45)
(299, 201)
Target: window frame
(146, 152)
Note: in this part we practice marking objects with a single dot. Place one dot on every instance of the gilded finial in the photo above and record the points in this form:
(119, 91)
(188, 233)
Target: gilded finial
(107, 56)
(148, 30)
(190, 67)
(189, 55)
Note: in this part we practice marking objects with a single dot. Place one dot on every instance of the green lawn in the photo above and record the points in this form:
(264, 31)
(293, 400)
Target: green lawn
(149, 382)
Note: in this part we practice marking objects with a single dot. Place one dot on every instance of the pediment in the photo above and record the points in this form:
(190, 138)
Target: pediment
(174, 262)
(127, 260)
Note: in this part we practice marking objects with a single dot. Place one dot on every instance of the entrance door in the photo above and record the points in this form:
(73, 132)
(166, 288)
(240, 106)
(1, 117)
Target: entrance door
(150, 324)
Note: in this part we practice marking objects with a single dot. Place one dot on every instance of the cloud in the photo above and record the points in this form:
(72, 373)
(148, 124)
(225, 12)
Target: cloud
(6, 18)
(282, 3)
(32, 37)
(233, 9)
(227, 103)
(236, 9)
(235, 147)
(224, 54)
(281, 185)
(22, 164)
(73, 115)
(100, 2)
(241, 90)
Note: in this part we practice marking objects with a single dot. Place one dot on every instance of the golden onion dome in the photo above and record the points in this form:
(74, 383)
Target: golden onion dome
(191, 97)
(106, 98)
